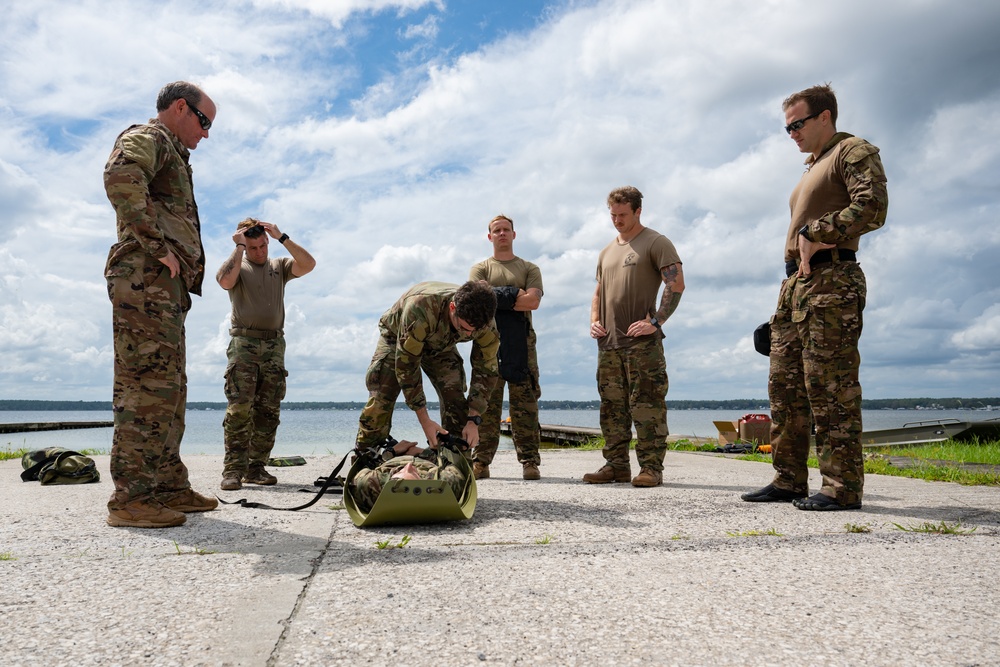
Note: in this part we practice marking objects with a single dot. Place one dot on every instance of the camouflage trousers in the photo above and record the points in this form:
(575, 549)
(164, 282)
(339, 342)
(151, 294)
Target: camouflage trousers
(632, 382)
(445, 370)
(814, 373)
(523, 422)
(255, 386)
(150, 384)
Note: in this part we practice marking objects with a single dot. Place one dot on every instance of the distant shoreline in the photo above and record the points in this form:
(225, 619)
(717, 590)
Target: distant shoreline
(22, 405)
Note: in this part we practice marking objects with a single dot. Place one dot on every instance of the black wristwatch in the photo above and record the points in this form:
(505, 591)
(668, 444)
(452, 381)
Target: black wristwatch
(475, 419)
(284, 237)
(654, 321)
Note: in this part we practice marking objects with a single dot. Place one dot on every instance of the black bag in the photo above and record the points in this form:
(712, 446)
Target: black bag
(762, 339)
(55, 465)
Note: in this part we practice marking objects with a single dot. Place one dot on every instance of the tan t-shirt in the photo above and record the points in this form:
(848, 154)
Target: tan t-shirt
(630, 279)
(509, 272)
(258, 297)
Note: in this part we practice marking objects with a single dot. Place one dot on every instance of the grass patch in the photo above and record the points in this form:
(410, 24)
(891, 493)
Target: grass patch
(937, 528)
(755, 533)
(387, 544)
(7, 555)
(936, 462)
(337, 507)
(858, 528)
(196, 551)
(546, 539)
(685, 445)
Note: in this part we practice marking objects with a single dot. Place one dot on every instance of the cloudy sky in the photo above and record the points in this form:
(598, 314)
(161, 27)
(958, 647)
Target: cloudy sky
(382, 135)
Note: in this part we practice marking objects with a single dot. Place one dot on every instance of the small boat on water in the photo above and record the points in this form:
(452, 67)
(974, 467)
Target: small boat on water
(933, 430)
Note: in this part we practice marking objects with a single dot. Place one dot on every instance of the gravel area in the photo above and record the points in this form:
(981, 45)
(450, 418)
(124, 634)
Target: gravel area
(551, 572)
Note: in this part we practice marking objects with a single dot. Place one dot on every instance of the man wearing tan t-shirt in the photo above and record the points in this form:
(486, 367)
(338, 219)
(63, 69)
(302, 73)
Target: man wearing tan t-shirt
(518, 287)
(255, 376)
(625, 318)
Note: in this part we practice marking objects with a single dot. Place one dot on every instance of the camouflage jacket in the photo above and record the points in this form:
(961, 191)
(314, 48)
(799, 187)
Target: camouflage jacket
(418, 324)
(841, 196)
(148, 181)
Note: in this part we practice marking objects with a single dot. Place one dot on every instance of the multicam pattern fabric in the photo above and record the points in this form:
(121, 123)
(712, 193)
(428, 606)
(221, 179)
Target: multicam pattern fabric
(368, 483)
(817, 325)
(633, 384)
(255, 387)
(416, 334)
(148, 181)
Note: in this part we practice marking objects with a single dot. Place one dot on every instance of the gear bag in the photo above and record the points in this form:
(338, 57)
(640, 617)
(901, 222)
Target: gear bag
(55, 465)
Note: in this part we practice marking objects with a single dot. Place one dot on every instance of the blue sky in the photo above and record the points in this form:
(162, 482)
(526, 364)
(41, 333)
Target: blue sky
(384, 134)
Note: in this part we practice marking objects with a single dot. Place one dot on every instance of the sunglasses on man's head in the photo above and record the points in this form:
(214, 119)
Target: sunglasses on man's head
(253, 232)
(206, 122)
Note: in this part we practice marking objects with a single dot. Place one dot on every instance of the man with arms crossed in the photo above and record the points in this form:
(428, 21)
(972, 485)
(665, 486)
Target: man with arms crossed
(518, 286)
(255, 375)
(626, 320)
(157, 263)
(817, 324)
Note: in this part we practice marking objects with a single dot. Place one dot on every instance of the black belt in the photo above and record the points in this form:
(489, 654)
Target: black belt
(254, 333)
(822, 257)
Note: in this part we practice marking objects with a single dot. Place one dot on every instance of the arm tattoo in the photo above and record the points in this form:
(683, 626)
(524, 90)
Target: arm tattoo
(226, 268)
(670, 298)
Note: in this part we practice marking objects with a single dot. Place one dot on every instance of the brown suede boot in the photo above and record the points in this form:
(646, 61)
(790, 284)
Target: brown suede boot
(531, 472)
(480, 470)
(145, 515)
(607, 475)
(648, 477)
(190, 500)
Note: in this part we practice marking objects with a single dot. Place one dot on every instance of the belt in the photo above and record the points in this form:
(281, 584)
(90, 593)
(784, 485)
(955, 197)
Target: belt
(823, 257)
(254, 333)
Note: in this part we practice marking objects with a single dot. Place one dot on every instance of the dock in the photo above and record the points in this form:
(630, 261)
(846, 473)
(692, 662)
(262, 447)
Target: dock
(560, 434)
(30, 427)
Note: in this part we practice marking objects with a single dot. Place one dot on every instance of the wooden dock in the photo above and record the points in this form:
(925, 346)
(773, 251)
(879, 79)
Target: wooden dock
(560, 434)
(29, 427)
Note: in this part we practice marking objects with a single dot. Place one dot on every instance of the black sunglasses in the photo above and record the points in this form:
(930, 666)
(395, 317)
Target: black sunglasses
(253, 232)
(205, 121)
(794, 126)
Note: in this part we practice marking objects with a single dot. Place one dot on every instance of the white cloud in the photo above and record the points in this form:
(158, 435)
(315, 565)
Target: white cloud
(393, 183)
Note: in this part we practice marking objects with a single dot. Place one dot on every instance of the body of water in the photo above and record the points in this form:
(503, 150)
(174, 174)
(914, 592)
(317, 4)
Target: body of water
(321, 432)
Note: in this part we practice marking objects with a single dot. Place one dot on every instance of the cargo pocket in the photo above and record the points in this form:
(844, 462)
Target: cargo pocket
(835, 320)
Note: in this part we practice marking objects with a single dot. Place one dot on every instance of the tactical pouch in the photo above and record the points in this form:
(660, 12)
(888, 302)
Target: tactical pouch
(406, 501)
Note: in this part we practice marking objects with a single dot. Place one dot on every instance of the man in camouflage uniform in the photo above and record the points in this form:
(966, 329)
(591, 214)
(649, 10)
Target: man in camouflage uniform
(369, 482)
(626, 320)
(151, 271)
(255, 375)
(421, 331)
(817, 324)
(518, 286)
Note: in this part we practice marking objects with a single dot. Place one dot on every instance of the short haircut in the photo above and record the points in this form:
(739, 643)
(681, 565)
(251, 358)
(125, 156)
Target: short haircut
(489, 225)
(475, 303)
(178, 90)
(626, 195)
(818, 99)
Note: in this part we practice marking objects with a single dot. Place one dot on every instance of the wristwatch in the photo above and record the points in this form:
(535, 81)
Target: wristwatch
(654, 321)
(284, 237)
(475, 419)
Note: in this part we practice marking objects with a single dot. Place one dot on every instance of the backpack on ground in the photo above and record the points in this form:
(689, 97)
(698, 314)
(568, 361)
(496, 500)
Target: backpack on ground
(55, 465)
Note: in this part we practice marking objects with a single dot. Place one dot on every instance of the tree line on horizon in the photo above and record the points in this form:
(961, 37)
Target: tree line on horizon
(729, 404)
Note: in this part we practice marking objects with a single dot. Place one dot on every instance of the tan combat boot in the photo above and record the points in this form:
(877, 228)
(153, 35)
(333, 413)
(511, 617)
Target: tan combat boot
(530, 471)
(648, 477)
(190, 500)
(607, 475)
(145, 515)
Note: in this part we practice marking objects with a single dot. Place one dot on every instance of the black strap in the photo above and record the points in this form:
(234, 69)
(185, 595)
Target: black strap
(822, 257)
(331, 480)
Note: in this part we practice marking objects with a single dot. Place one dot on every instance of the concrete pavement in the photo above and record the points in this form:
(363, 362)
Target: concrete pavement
(553, 572)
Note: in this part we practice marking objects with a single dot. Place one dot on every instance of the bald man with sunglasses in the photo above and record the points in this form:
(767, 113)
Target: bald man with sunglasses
(156, 265)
